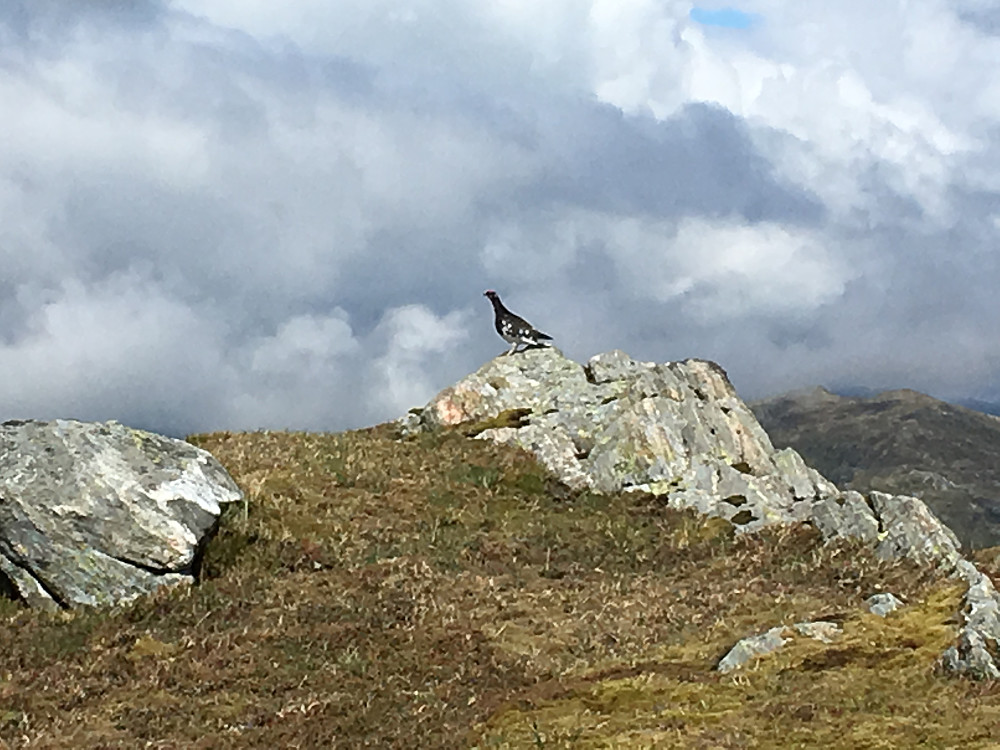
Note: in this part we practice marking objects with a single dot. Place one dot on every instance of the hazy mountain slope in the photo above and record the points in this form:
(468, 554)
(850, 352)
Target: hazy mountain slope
(902, 442)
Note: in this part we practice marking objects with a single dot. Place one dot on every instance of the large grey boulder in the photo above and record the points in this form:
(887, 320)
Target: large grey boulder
(95, 514)
(680, 431)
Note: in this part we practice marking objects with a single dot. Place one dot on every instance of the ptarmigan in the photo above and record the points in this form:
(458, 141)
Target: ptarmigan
(514, 329)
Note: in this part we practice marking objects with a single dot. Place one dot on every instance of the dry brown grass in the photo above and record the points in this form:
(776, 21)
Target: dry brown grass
(444, 592)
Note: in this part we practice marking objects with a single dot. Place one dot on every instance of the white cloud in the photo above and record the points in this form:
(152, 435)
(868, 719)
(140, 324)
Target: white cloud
(235, 214)
(739, 270)
(418, 340)
(722, 270)
(304, 343)
(824, 86)
(115, 350)
(69, 118)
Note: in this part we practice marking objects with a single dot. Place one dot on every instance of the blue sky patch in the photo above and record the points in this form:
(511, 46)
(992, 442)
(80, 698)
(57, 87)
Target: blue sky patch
(727, 17)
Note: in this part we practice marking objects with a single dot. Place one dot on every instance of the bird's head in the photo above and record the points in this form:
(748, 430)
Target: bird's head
(490, 293)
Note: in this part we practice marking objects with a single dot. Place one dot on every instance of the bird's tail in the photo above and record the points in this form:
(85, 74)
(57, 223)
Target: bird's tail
(544, 336)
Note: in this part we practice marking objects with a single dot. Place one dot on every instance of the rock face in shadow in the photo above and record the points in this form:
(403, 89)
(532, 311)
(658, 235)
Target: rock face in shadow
(97, 514)
(900, 442)
(679, 430)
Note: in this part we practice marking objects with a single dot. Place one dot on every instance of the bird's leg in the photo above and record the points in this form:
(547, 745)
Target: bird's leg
(510, 351)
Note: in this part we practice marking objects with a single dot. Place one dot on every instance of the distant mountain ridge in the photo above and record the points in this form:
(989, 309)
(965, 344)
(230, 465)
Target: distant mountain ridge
(975, 404)
(984, 407)
(902, 442)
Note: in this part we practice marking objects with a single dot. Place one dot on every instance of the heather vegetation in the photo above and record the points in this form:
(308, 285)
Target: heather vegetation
(441, 591)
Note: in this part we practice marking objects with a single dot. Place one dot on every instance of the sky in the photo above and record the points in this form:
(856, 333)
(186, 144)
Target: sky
(241, 214)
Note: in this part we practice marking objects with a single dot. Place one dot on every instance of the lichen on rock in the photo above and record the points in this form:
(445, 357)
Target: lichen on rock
(99, 513)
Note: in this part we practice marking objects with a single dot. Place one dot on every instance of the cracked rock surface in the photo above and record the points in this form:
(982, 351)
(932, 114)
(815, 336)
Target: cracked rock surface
(676, 429)
(680, 431)
(96, 514)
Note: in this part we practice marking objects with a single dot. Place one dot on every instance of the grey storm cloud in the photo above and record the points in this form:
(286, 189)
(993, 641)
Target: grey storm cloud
(222, 215)
(699, 161)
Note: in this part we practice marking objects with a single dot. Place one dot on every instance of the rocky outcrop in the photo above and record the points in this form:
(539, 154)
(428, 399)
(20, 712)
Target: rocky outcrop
(675, 429)
(679, 430)
(973, 654)
(94, 514)
(900, 443)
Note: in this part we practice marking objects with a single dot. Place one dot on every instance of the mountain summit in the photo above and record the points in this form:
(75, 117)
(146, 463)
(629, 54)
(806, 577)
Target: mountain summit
(406, 585)
(679, 431)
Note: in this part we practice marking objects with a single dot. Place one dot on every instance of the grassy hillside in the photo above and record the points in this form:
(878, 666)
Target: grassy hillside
(444, 592)
(900, 442)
